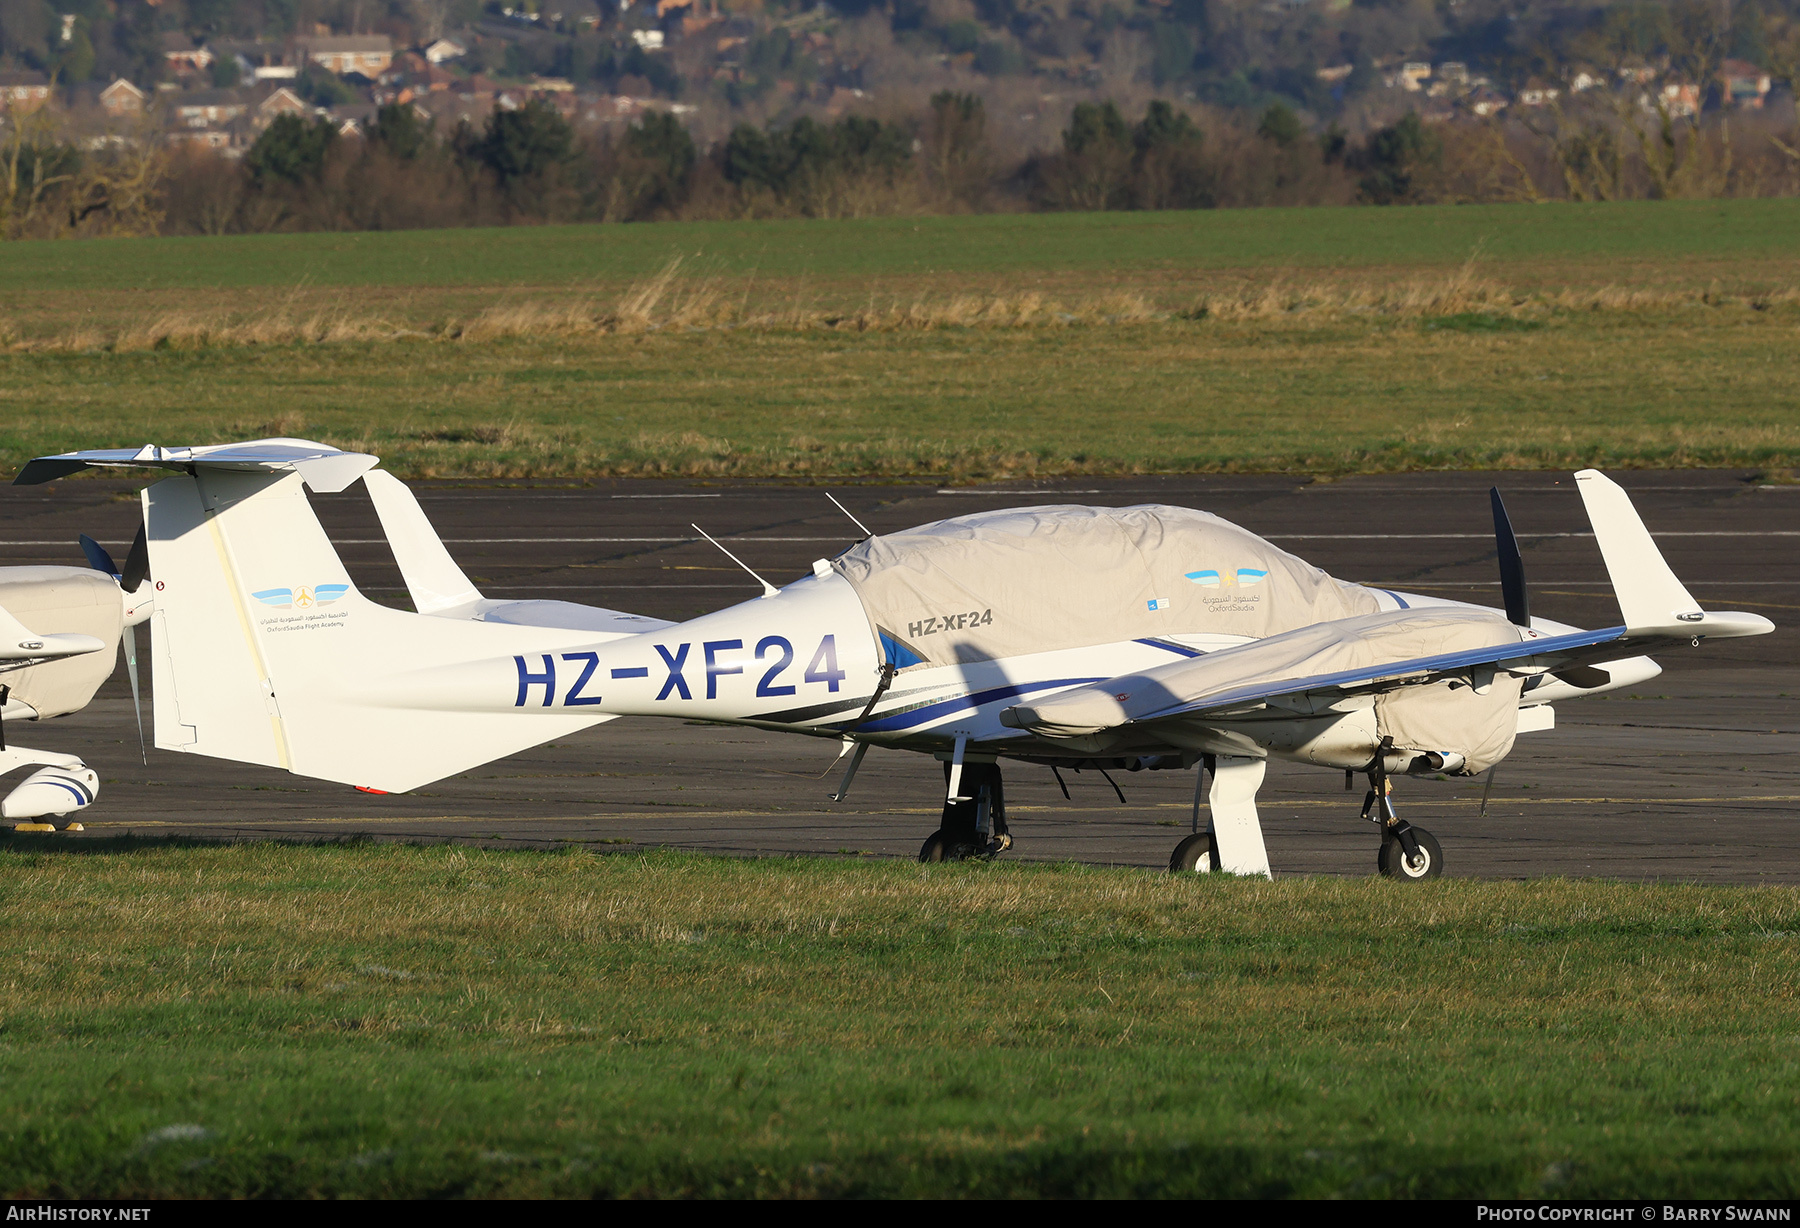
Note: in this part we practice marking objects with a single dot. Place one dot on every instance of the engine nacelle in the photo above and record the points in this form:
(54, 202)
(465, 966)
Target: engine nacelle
(52, 790)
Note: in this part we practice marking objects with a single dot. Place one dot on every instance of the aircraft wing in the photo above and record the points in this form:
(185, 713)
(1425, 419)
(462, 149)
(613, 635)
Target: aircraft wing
(1311, 669)
(1215, 685)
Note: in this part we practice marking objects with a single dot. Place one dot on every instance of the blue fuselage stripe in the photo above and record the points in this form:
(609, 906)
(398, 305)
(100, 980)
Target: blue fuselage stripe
(949, 707)
(81, 795)
(1178, 649)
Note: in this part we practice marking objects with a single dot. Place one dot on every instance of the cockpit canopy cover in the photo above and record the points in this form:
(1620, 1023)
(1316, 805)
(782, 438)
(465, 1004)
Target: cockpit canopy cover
(1038, 579)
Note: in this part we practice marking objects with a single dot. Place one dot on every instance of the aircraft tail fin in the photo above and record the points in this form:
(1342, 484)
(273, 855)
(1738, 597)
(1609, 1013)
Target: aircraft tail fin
(265, 651)
(1653, 601)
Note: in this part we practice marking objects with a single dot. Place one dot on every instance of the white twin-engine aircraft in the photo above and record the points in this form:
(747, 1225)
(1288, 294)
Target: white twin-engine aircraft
(1081, 637)
(60, 628)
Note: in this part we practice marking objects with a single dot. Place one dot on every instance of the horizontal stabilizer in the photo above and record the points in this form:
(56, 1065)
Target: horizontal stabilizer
(323, 467)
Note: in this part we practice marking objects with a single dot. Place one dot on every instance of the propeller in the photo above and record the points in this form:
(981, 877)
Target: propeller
(137, 563)
(137, 570)
(1512, 566)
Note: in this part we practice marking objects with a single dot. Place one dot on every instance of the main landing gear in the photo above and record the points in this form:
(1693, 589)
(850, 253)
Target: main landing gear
(974, 821)
(1408, 853)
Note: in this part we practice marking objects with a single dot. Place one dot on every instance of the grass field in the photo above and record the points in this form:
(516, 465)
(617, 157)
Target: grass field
(1312, 340)
(389, 1020)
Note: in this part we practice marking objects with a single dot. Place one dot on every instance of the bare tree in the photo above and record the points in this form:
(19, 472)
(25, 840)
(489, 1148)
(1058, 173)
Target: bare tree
(31, 163)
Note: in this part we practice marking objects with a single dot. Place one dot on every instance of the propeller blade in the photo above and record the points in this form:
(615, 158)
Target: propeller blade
(137, 563)
(137, 701)
(97, 556)
(1512, 566)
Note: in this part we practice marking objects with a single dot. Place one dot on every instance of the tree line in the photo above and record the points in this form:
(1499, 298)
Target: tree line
(530, 165)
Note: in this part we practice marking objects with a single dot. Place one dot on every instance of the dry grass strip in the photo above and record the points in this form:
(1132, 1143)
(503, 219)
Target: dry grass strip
(668, 302)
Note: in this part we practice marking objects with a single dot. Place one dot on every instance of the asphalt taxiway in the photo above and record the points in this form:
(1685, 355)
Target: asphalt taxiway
(1694, 775)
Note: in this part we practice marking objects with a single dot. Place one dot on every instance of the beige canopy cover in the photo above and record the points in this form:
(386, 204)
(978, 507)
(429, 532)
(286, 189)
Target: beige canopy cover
(63, 600)
(1035, 579)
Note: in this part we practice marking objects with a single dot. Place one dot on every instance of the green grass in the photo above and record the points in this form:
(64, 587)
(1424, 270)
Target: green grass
(1323, 341)
(265, 1019)
(1670, 234)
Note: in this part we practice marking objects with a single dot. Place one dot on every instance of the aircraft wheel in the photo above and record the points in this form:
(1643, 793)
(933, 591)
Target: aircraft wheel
(1193, 855)
(1394, 863)
(943, 845)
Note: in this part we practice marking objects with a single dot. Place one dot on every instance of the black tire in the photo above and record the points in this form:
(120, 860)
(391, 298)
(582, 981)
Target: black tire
(1193, 856)
(943, 845)
(1393, 861)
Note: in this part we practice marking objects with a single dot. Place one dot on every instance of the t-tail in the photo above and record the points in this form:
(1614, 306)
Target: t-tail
(264, 651)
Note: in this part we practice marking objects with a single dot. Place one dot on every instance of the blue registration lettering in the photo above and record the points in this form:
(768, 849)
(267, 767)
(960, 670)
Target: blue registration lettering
(527, 680)
(824, 666)
(631, 671)
(767, 686)
(575, 699)
(714, 669)
(674, 682)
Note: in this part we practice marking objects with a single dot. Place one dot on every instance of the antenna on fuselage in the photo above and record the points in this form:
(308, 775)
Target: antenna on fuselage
(769, 590)
(867, 532)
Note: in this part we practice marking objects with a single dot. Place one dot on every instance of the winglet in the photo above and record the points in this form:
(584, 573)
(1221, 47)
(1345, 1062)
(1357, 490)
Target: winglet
(433, 579)
(1651, 598)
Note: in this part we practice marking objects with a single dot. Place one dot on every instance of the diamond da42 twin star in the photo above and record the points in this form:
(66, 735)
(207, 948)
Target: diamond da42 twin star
(60, 630)
(1085, 637)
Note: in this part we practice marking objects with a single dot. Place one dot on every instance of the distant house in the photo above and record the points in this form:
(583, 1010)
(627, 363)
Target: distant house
(1453, 71)
(368, 54)
(209, 108)
(1581, 82)
(1412, 76)
(1334, 74)
(1745, 85)
(1681, 100)
(283, 101)
(1538, 96)
(180, 53)
(1485, 102)
(260, 60)
(351, 120)
(23, 91)
(201, 138)
(445, 49)
(123, 98)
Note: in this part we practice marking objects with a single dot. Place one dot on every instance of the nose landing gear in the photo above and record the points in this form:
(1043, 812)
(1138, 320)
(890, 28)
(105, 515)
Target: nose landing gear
(1408, 853)
(973, 825)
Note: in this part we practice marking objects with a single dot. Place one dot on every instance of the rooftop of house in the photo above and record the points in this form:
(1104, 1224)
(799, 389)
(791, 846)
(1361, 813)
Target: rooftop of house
(324, 44)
